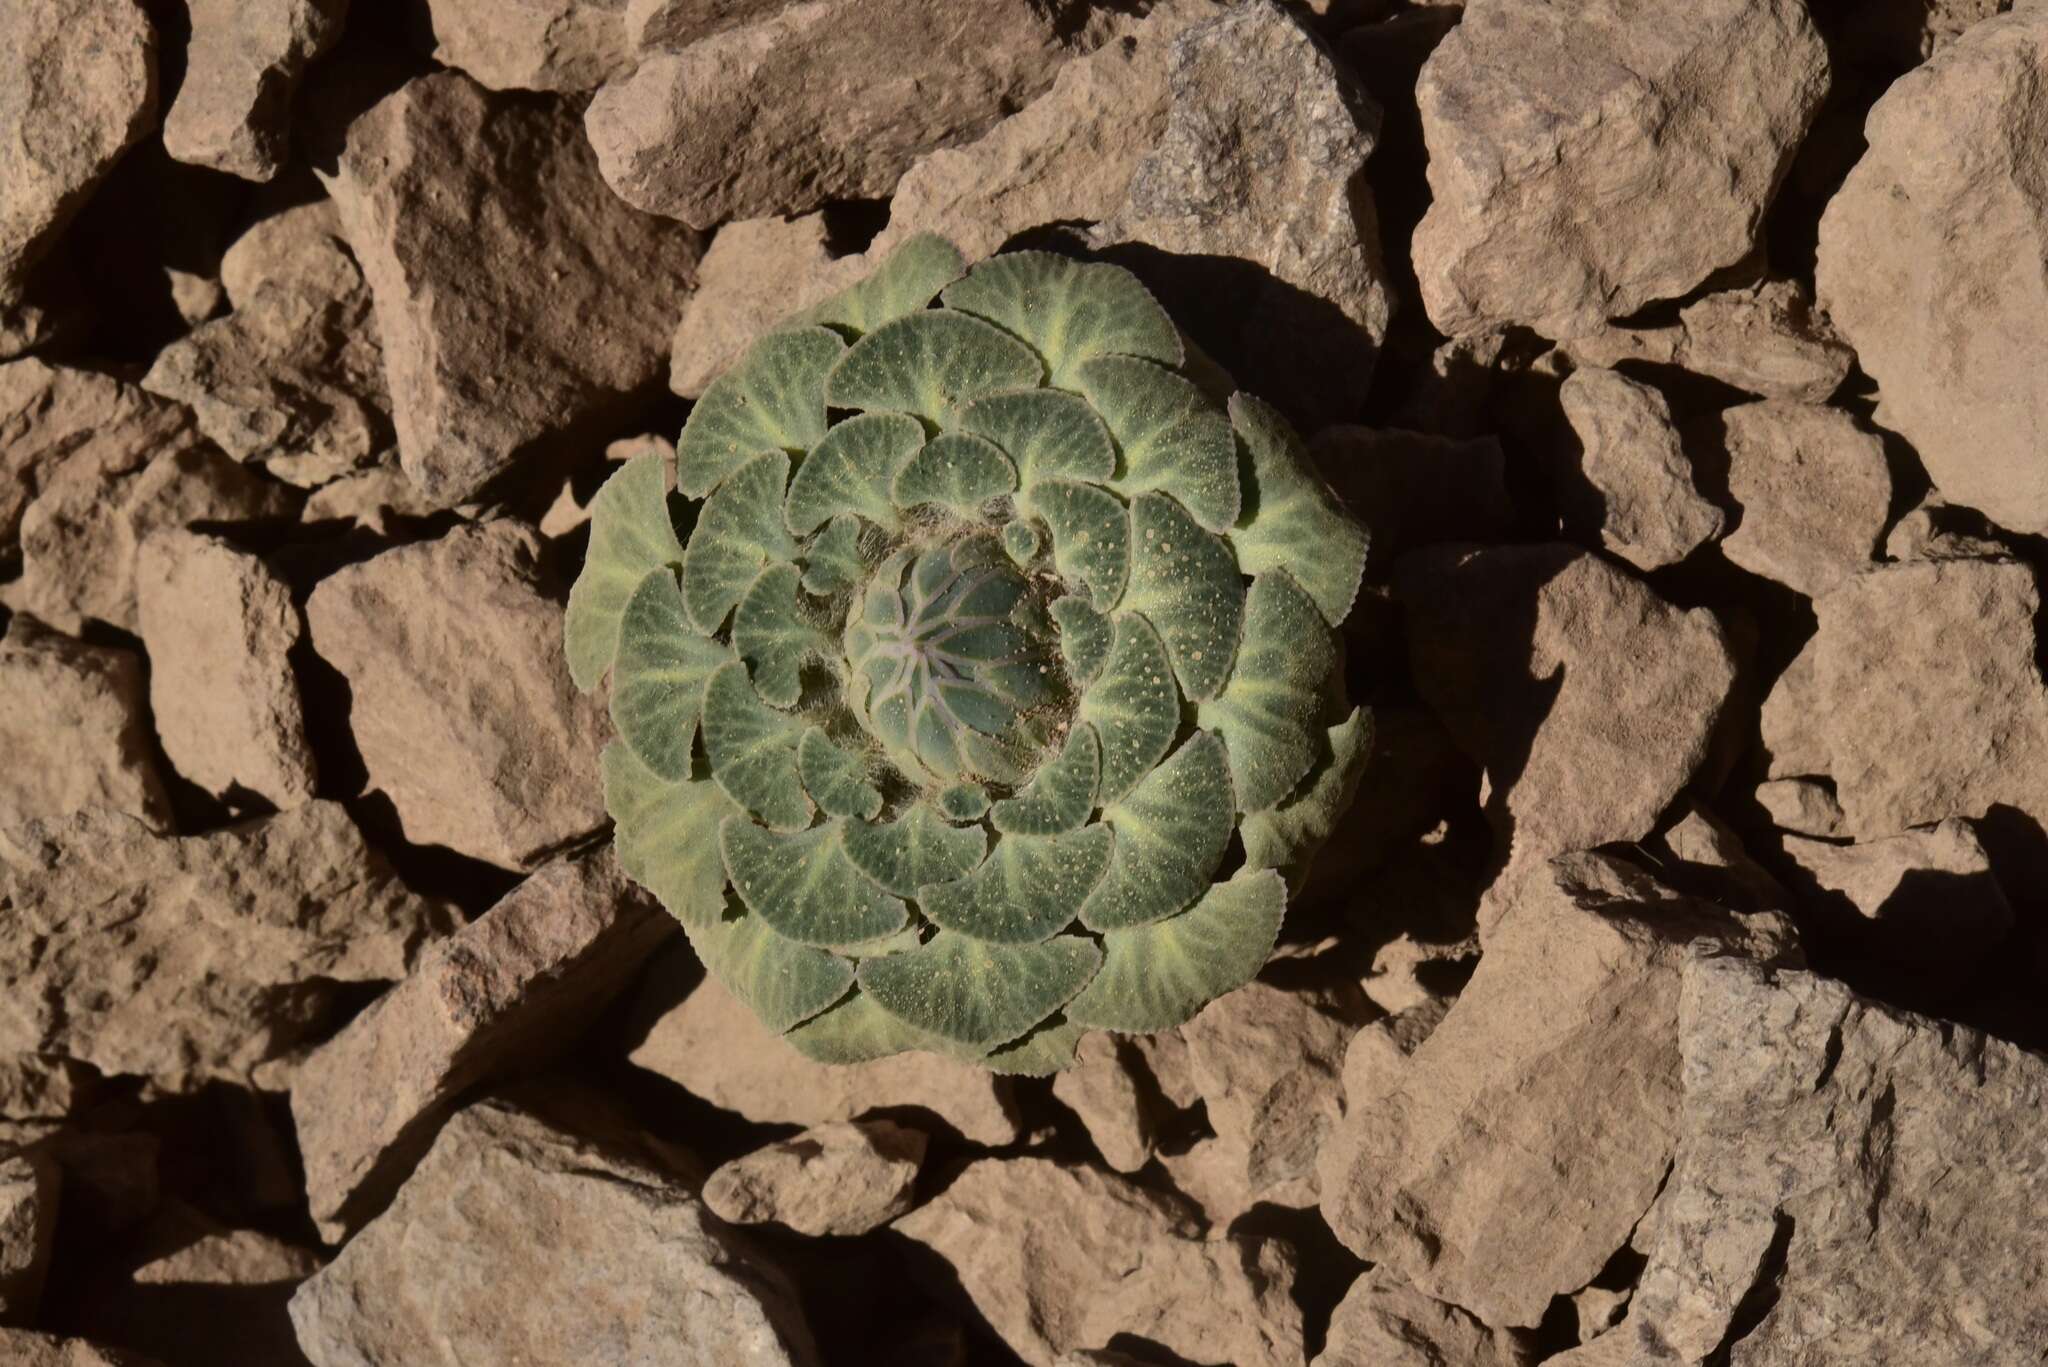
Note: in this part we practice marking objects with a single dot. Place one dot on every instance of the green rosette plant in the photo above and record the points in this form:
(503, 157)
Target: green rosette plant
(982, 686)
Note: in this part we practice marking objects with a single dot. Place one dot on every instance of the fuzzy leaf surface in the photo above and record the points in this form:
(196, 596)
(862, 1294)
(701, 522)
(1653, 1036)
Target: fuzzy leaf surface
(630, 535)
(773, 400)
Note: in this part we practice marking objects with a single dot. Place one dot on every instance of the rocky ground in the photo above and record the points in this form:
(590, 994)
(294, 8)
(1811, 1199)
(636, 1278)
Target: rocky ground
(1672, 995)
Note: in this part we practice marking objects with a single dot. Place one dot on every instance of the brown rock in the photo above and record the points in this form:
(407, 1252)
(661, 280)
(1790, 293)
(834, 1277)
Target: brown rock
(756, 272)
(804, 104)
(43, 1088)
(1102, 1088)
(1262, 161)
(1540, 120)
(51, 416)
(1799, 804)
(1382, 1322)
(74, 725)
(1904, 33)
(1877, 702)
(1588, 698)
(842, 1179)
(1937, 530)
(1651, 512)
(25, 1349)
(79, 90)
(1875, 1173)
(376, 498)
(1024, 1235)
(293, 379)
(185, 959)
(1815, 493)
(1415, 488)
(232, 112)
(570, 321)
(715, 1048)
(508, 990)
(220, 627)
(1508, 1158)
(1763, 339)
(29, 1185)
(519, 1242)
(462, 705)
(562, 45)
(1931, 264)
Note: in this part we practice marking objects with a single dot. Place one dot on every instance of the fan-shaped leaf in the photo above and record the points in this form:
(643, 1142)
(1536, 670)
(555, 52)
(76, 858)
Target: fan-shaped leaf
(667, 834)
(784, 982)
(832, 561)
(1186, 583)
(1091, 536)
(1021, 540)
(1068, 310)
(915, 849)
(1268, 713)
(805, 885)
(1060, 795)
(773, 400)
(630, 534)
(774, 637)
(1286, 837)
(850, 471)
(836, 780)
(955, 471)
(910, 277)
(1157, 976)
(1171, 831)
(1169, 436)
(1133, 705)
(980, 993)
(1291, 520)
(1049, 434)
(739, 530)
(856, 1031)
(658, 679)
(752, 748)
(964, 802)
(1048, 1049)
(1030, 887)
(927, 363)
(1085, 637)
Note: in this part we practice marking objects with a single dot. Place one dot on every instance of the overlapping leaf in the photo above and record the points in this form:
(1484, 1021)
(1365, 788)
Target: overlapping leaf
(836, 780)
(1171, 832)
(908, 279)
(1290, 519)
(667, 834)
(739, 531)
(630, 535)
(1185, 582)
(784, 982)
(1133, 705)
(774, 400)
(774, 635)
(851, 470)
(1157, 976)
(806, 886)
(1029, 887)
(957, 471)
(1267, 714)
(916, 849)
(927, 364)
(977, 992)
(752, 748)
(1069, 311)
(1286, 837)
(1168, 435)
(659, 676)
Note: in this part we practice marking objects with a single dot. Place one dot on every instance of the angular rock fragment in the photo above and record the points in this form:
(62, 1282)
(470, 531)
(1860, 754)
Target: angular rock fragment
(1507, 1158)
(1763, 339)
(1589, 700)
(188, 959)
(1867, 1178)
(1938, 530)
(509, 989)
(516, 1241)
(29, 1186)
(571, 319)
(293, 379)
(1801, 805)
(1652, 513)
(1099, 1257)
(1877, 700)
(74, 727)
(1815, 492)
(1540, 120)
(462, 705)
(51, 416)
(220, 628)
(24, 1348)
(1262, 161)
(232, 112)
(1102, 1088)
(1383, 1323)
(799, 105)
(714, 1047)
(375, 498)
(842, 1179)
(79, 90)
(560, 45)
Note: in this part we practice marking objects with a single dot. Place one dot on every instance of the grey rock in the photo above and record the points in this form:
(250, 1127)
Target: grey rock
(232, 112)
(570, 321)
(516, 1241)
(508, 990)
(1815, 492)
(812, 102)
(1652, 514)
(1505, 1160)
(1930, 263)
(194, 958)
(1262, 161)
(74, 725)
(559, 45)
(1541, 119)
(842, 1179)
(220, 628)
(462, 705)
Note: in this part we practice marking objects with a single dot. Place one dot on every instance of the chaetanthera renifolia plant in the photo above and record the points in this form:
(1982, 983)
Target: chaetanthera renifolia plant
(991, 691)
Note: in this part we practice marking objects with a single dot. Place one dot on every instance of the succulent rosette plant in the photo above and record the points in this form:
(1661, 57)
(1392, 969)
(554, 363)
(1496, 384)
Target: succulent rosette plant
(991, 690)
